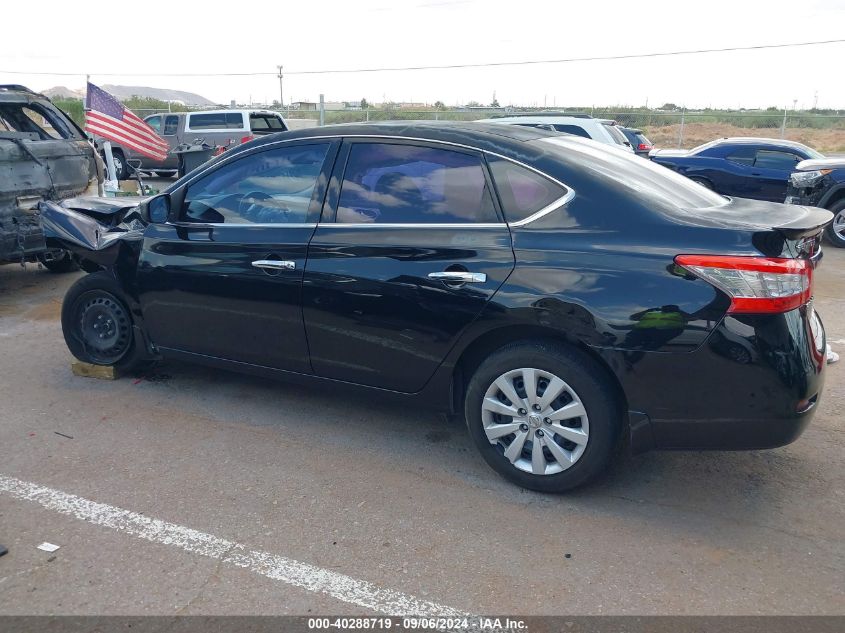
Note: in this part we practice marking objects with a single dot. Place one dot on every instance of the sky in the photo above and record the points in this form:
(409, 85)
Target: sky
(222, 36)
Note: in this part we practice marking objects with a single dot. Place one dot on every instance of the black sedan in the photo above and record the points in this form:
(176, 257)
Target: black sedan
(559, 296)
(756, 168)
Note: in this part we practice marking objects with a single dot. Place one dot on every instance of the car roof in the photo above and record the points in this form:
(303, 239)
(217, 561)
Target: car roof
(233, 111)
(483, 136)
(752, 140)
(545, 118)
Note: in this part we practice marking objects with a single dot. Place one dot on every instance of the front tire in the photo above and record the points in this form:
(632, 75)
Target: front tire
(97, 324)
(543, 415)
(836, 230)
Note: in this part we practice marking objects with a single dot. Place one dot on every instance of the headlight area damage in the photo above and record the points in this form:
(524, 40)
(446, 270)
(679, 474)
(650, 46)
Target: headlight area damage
(103, 233)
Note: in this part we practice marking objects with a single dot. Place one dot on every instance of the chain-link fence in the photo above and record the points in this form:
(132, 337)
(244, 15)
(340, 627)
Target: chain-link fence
(680, 128)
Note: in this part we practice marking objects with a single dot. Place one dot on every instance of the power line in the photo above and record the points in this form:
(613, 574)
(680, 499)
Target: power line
(334, 71)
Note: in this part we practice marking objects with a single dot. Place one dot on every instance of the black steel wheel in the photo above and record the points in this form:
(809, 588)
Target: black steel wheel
(97, 324)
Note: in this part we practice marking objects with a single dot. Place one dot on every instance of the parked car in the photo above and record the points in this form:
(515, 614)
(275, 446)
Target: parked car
(558, 297)
(213, 127)
(756, 168)
(821, 183)
(638, 140)
(43, 156)
(602, 130)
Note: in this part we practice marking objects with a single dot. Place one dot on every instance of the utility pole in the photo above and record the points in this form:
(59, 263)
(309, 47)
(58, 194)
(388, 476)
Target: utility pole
(281, 93)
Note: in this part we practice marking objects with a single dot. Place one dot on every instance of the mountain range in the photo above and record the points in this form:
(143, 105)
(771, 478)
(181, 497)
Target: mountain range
(126, 92)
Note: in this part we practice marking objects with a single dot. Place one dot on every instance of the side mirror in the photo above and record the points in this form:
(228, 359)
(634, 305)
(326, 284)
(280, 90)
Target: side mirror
(157, 209)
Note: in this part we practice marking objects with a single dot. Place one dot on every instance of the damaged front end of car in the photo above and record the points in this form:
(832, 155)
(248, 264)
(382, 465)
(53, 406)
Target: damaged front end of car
(102, 233)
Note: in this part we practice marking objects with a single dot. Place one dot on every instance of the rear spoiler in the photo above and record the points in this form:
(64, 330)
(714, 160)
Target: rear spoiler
(811, 221)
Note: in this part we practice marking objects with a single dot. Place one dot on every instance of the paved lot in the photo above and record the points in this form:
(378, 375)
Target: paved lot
(278, 478)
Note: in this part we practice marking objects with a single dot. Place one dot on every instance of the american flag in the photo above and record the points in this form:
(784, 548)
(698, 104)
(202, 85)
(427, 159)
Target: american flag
(106, 117)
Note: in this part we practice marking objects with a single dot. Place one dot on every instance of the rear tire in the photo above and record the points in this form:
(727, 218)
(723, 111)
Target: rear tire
(836, 230)
(121, 169)
(97, 324)
(576, 426)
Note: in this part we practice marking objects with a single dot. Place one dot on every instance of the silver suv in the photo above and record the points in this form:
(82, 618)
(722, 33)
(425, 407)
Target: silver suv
(601, 130)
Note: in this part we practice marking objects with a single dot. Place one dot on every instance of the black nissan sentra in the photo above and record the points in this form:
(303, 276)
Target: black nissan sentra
(560, 295)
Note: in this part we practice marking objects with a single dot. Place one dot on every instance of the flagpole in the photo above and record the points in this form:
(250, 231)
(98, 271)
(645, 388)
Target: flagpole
(111, 183)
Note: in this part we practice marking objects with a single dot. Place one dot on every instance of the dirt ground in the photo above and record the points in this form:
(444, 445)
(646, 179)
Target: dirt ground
(194, 491)
(826, 141)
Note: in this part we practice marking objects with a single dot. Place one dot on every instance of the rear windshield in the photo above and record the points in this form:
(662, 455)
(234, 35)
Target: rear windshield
(216, 121)
(576, 130)
(265, 123)
(616, 134)
(642, 178)
(642, 139)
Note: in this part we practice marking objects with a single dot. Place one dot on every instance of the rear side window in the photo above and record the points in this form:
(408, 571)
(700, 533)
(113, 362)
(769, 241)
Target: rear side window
(577, 130)
(170, 125)
(216, 121)
(271, 187)
(409, 184)
(741, 155)
(523, 192)
(784, 161)
(266, 123)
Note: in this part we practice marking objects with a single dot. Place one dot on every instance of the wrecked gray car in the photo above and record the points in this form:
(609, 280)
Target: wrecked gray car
(44, 155)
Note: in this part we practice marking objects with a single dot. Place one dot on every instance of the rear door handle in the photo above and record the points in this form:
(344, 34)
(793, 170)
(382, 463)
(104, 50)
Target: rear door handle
(459, 276)
(274, 264)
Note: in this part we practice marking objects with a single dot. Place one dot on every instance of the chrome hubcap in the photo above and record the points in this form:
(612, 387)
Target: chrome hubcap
(536, 420)
(839, 224)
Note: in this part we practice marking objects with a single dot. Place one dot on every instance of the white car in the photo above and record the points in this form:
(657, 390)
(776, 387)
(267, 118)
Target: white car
(601, 130)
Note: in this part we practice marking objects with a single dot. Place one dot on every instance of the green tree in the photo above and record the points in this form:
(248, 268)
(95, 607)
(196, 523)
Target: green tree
(439, 105)
(364, 104)
(495, 104)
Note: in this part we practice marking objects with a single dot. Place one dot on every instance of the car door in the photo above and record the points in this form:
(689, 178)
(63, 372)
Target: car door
(735, 176)
(772, 169)
(410, 249)
(222, 278)
(169, 132)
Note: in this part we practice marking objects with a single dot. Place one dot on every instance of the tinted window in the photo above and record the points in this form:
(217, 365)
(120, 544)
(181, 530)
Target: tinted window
(265, 123)
(616, 134)
(217, 121)
(154, 122)
(571, 129)
(170, 125)
(410, 184)
(741, 155)
(784, 161)
(523, 192)
(271, 187)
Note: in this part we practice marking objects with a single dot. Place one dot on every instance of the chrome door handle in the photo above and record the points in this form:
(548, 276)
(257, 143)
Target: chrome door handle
(274, 264)
(459, 276)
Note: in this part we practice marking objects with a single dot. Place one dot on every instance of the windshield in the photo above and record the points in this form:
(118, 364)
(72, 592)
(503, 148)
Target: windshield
(644, 179)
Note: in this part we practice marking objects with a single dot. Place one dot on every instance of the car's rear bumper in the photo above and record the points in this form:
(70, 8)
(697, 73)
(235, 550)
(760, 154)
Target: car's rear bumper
(755, 383)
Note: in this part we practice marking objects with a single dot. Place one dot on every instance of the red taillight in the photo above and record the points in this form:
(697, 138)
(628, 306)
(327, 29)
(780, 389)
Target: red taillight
(246, 139)
(755, 284)
(645, 147)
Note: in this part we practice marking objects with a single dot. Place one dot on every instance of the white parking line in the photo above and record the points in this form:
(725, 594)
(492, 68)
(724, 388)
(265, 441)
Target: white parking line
(286, 570)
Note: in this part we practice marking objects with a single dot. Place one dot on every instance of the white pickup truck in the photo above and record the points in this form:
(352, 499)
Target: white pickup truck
(212, 127)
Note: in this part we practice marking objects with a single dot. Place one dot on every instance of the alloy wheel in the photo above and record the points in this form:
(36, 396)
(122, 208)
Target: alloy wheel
(838, 225)
(536, 420)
